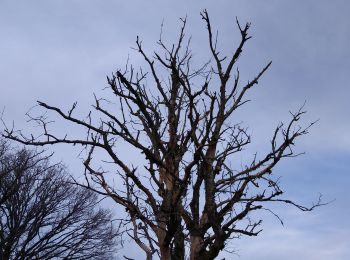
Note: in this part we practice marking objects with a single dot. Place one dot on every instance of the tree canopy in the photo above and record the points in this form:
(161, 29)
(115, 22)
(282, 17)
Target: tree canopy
(187, 199)
(44, 216)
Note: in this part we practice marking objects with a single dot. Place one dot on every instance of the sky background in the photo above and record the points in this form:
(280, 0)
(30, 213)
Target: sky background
(61, 51)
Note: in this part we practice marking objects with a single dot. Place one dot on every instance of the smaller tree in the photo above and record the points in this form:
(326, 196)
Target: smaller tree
(43, 216)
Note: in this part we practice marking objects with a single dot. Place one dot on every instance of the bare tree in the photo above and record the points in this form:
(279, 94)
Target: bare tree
(43, 216)
(187, 200)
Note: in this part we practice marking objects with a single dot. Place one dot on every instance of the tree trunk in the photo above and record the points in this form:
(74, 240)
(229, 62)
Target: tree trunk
(165, 253)
(196, 242)
(178, 252)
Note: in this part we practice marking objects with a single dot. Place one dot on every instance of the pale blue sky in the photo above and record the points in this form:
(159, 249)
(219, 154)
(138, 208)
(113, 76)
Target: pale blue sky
(60, 51)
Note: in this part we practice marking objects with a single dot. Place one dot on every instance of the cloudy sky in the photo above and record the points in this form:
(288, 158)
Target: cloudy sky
(60, 52)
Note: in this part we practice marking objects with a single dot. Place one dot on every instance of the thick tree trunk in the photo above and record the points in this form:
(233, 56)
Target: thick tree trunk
(165, 253)
(178, 252)
(196, 242)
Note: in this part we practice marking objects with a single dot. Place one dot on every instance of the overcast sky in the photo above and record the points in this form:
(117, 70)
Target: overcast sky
(60, 52)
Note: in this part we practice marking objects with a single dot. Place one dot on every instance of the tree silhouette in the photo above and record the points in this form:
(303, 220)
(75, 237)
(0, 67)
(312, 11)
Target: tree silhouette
(43, 216)
(187, 199)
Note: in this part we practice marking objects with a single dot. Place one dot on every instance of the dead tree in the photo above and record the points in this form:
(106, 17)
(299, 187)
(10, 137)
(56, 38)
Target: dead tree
(43, 216)
(187, 200)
